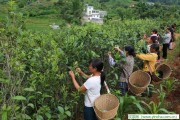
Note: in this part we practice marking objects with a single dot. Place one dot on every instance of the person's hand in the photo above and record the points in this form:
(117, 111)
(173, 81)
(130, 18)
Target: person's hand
(145, 36)
(71, 73)
(117, 49)
(109, 53)
(148, 40)
(78, 70)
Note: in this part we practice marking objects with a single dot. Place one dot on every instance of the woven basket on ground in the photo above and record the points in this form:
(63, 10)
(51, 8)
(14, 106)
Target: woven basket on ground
(162, 71)
(139, 81)
(106, 106)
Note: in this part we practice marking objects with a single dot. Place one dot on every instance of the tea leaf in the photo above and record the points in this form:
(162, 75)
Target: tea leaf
(61, 110)
(68, 113)
(19, 98)
(29, 89)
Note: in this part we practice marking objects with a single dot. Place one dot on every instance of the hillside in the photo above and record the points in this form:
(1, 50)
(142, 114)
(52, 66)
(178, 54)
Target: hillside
(45, 72)
(167, 2)
(69, 12)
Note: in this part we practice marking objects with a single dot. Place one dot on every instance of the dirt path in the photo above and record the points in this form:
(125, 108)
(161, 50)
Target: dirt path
(175, 64)
(177, 35)
(174, 96)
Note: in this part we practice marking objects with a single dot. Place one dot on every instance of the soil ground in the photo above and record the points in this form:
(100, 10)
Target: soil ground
(174, 96)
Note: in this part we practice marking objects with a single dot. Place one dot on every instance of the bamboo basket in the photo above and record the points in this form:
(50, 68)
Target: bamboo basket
(166, 72)
(106, 106)
(157, 64)
(139, 81)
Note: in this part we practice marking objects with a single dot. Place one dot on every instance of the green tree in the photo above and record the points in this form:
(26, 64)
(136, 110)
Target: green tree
(77, 10)
(71, 10)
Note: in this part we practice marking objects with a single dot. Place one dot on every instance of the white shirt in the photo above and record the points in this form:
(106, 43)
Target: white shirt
(155, 35)
(167, 38)
(149, 47)
(93, 86)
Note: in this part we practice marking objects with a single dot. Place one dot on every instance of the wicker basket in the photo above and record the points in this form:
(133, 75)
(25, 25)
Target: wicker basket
(157, 64)
(139, 81)
(106, 106)
(165, 70)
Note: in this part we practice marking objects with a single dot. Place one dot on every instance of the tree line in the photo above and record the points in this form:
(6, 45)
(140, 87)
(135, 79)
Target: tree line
(71, 11)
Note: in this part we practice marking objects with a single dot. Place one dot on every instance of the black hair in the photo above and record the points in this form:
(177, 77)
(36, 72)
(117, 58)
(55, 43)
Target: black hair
(155, 31)
(130, 50)
(174, 25)
(158, 53)
(98, 64)
(155, 46)
(154, 39)
(169, 28)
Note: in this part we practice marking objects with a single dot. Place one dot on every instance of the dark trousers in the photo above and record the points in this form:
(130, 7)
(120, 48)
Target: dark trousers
(158, 53)
(165, 48)
(123, 87)
(89, 113)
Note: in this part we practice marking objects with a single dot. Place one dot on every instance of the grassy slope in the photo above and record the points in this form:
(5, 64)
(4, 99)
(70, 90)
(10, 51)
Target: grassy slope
(2, 16)
(35, 23)
(3, 12)
(42, 23)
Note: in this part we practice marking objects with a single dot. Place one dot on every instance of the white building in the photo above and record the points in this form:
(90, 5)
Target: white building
(91, 13)
(89, 10)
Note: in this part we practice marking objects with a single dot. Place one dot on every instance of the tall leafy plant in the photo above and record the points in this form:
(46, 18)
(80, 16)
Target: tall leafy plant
(128, 105)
